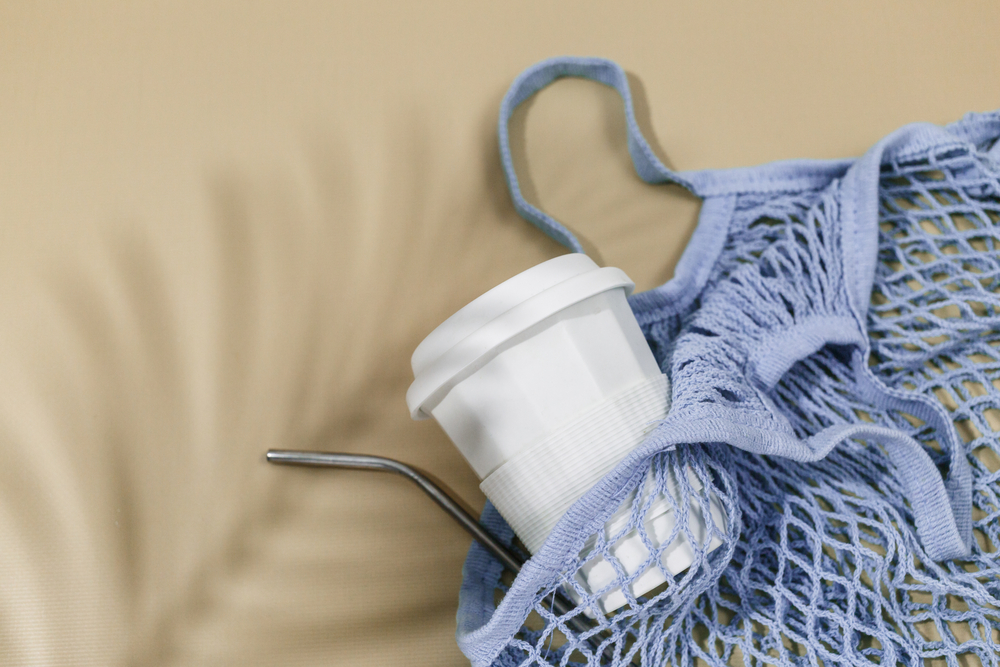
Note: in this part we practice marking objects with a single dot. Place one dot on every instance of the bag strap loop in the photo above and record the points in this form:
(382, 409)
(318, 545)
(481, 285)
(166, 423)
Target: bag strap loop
(647, 165)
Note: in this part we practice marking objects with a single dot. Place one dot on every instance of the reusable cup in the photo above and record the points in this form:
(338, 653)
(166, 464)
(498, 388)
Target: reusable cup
(544, 384)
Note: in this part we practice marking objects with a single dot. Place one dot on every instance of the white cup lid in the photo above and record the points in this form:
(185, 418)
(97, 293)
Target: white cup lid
(451, 351)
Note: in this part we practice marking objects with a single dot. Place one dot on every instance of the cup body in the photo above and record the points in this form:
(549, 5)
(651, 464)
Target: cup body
(544, 384)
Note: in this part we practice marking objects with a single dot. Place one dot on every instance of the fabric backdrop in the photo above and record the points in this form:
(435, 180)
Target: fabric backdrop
(225, 226)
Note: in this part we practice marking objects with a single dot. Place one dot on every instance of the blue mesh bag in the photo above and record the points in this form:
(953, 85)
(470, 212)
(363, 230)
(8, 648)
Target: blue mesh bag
(832, 338)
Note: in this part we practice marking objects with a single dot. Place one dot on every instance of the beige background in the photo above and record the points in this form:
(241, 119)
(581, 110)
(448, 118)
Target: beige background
(225, 227)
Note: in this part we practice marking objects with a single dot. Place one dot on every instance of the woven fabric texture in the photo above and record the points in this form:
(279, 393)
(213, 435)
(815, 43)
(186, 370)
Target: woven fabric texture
(832, 342)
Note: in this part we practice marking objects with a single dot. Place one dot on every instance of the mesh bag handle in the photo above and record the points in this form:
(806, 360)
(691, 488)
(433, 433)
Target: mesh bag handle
(647, 165)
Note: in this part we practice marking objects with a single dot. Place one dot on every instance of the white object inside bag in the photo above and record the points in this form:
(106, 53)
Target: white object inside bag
(544, 384)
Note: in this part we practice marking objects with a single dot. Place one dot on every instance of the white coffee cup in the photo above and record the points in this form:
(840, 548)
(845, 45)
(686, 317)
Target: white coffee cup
(544, 384)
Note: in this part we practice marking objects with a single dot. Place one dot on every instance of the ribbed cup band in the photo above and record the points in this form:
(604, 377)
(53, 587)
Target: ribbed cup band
(534, 489)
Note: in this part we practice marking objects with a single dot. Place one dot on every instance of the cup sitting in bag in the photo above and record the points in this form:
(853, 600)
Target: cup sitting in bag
(544, 384)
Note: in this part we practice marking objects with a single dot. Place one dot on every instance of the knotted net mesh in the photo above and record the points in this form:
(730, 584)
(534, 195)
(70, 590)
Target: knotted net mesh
(819, 563)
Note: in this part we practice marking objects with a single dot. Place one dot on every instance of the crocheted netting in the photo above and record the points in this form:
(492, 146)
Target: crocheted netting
(821, 562)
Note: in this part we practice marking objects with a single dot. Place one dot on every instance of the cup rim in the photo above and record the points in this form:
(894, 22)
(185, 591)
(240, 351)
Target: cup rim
(469, 353)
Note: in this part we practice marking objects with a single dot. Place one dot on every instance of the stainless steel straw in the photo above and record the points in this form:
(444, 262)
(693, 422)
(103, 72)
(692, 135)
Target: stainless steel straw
(510, 560)
(560, 605)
